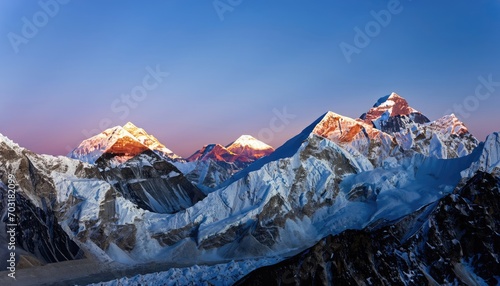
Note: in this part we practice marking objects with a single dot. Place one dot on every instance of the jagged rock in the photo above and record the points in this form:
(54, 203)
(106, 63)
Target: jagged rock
(151, 182)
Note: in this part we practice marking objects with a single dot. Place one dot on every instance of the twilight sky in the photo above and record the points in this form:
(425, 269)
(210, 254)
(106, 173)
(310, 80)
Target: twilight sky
(67, 70)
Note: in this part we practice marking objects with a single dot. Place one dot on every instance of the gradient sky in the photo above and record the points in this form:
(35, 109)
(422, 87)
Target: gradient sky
(227, 75)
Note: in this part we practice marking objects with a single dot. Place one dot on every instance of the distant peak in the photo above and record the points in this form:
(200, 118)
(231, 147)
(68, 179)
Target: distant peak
(128, 139)
(248, 141)
(451, 124)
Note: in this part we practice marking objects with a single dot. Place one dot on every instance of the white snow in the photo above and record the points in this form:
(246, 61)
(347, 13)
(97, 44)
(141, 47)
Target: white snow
(92, 148)
(10, 143)
(248, 141)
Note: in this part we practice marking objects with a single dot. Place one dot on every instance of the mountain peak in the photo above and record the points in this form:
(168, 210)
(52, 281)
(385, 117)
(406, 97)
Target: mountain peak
(126, 142)
(243, 150)
(394, 104)
(388, 99)
(248, 141)
(388, 112)
(216, 152)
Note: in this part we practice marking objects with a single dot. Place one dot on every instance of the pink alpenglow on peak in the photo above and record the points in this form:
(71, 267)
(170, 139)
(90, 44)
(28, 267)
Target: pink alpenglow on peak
(245, 149)
(392, 113)
(122, 142)
(249, 147)
(215, 152)
(393, 104)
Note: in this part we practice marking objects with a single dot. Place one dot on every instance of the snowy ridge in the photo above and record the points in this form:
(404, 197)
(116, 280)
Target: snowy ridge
(150, 141)
(444, 138)
(489, 160)
(213, 164)
(359, 138)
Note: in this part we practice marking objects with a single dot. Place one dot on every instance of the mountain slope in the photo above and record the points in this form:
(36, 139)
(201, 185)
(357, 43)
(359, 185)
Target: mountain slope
(453, 241)
(41, 237)
(151, 182)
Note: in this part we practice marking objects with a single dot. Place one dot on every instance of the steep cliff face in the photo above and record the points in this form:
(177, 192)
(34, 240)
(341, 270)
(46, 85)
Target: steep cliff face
(151, 182)
(39, 236)
(454, 241)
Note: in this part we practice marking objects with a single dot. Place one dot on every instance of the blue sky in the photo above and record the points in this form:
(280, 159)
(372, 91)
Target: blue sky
(227, 75)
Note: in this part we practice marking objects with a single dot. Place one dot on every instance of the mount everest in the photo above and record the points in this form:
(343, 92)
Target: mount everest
(122, 196)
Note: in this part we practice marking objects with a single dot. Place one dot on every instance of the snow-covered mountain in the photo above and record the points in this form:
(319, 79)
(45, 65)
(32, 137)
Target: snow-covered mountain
(249, 149)
(453, 241)
(43, 217)
(215, 152)
(151, 182)
(392, 113)
(245, 149)
(120, 143)
(444, 138)
(131, 205)
(140, 168)
(213, 164)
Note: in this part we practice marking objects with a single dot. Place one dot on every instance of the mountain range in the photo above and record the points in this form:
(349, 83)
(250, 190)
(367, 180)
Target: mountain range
(390, 197)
